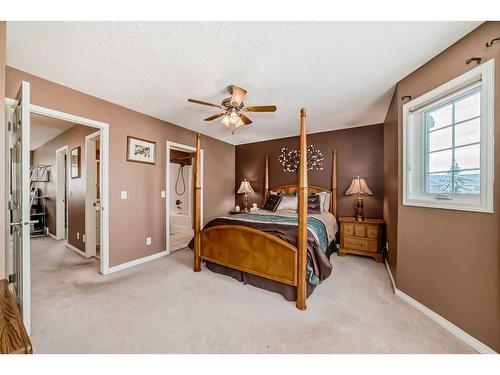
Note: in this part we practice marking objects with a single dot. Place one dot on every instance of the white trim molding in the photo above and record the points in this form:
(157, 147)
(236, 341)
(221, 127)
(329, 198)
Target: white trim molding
(61, 192)
(136, 262)
(76, 250)
(50, 234)
(104, 155)
(479, 79)
(439, 320)
(90, 193)
(179, 147)
(393, 283)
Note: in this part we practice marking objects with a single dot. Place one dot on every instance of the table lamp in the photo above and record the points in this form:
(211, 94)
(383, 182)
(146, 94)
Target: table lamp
(245, 188)
(359, 187)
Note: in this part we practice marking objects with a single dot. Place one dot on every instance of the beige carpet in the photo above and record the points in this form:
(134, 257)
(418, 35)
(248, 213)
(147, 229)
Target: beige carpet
(164, 307)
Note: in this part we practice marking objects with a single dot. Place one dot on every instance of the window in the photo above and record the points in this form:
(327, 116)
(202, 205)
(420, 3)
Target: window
(448, 144)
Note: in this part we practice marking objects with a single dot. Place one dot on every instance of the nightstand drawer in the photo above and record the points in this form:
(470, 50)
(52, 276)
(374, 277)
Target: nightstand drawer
(348, 229)
(360, 244)
(360, 230)
(372, 232)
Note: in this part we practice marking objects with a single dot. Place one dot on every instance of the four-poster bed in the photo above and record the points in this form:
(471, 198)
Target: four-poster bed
(287, 252)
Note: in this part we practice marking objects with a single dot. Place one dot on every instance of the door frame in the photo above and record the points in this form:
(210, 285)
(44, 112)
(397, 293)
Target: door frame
(61, 192)
(90, 217)
(104, 154)
(178, 147)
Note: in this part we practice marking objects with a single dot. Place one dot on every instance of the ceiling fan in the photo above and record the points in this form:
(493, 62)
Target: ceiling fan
(232, 116)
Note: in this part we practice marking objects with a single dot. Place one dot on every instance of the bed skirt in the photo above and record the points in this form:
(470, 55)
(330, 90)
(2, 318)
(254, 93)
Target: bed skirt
(289, 292)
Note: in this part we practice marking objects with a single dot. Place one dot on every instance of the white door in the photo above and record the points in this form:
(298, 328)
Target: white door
(92, 202)
(61, 178)
(19, 205)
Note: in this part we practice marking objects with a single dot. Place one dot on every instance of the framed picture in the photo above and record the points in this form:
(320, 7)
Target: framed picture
(75, 162)
(141, 150)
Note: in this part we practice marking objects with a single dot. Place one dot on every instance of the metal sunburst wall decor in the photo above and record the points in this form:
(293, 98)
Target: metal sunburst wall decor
(290, 159)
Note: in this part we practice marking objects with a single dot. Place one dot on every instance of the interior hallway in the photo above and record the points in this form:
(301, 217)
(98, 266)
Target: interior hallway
(164, 307)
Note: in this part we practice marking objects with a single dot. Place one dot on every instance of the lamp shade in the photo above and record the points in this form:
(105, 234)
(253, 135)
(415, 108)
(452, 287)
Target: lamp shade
(245, 187)
(358, 186)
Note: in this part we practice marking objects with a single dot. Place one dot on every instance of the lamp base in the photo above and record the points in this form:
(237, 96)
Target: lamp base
(245, 204)
(359, 209)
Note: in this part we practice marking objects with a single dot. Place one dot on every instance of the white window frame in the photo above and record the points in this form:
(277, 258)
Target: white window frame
(414, 193)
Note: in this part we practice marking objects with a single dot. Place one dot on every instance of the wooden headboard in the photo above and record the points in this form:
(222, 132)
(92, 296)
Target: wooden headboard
(294, 188)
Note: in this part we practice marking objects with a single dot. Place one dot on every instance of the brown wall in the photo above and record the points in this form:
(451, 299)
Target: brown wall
(143, 213)
(359, 152)
(450, 260)
(2, 148)
(46, 154)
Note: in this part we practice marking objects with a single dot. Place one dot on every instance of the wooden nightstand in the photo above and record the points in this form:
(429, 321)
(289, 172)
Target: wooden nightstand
(361, 237)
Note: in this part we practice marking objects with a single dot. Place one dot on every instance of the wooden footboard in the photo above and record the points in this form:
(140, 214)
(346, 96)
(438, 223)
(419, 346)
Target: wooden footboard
(250, 250)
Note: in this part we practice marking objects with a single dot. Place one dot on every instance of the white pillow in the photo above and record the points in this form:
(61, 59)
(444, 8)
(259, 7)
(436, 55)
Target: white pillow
(288, 203)
(324, 201)
(326, 206)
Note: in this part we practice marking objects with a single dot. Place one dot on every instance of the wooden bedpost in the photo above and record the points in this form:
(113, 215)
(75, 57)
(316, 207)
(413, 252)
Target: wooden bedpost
(302, 224)
(197, 206)
(334, 184)
(266, 180)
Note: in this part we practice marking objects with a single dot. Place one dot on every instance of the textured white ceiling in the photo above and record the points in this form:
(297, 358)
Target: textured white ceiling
(44, 129)
(342, 72)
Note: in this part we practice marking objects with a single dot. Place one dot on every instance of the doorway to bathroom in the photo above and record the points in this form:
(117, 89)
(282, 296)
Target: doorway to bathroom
(179, 195)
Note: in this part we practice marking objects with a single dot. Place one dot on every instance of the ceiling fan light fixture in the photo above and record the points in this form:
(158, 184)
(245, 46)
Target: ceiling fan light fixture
(232, 118)
(232, 121)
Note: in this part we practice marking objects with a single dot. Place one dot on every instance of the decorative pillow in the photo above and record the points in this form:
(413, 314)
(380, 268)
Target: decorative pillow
(272, 203)
(288, 203)
(313, 204)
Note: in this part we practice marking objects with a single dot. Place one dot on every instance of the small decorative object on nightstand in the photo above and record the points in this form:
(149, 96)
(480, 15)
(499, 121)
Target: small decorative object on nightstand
(236, 210)
(361, 237)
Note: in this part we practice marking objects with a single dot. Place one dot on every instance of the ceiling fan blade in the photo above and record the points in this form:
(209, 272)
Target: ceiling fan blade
(204, 103)
(245, 119)
(237, 94)
(261, 108)
(214, 117)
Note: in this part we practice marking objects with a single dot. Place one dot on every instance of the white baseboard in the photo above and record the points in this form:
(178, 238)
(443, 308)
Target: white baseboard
(393, 283)
(50, 234)
(77, 250)
(446, 324)
(136, 262)
(53, 236)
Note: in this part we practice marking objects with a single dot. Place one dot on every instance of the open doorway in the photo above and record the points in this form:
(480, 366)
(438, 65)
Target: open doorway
(65, 185)
(179, 197)
(37, 178)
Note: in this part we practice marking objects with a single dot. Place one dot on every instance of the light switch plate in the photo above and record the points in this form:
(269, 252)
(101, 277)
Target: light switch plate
(163, 194)
(123, 194)
(148, 240)
(77, 235)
